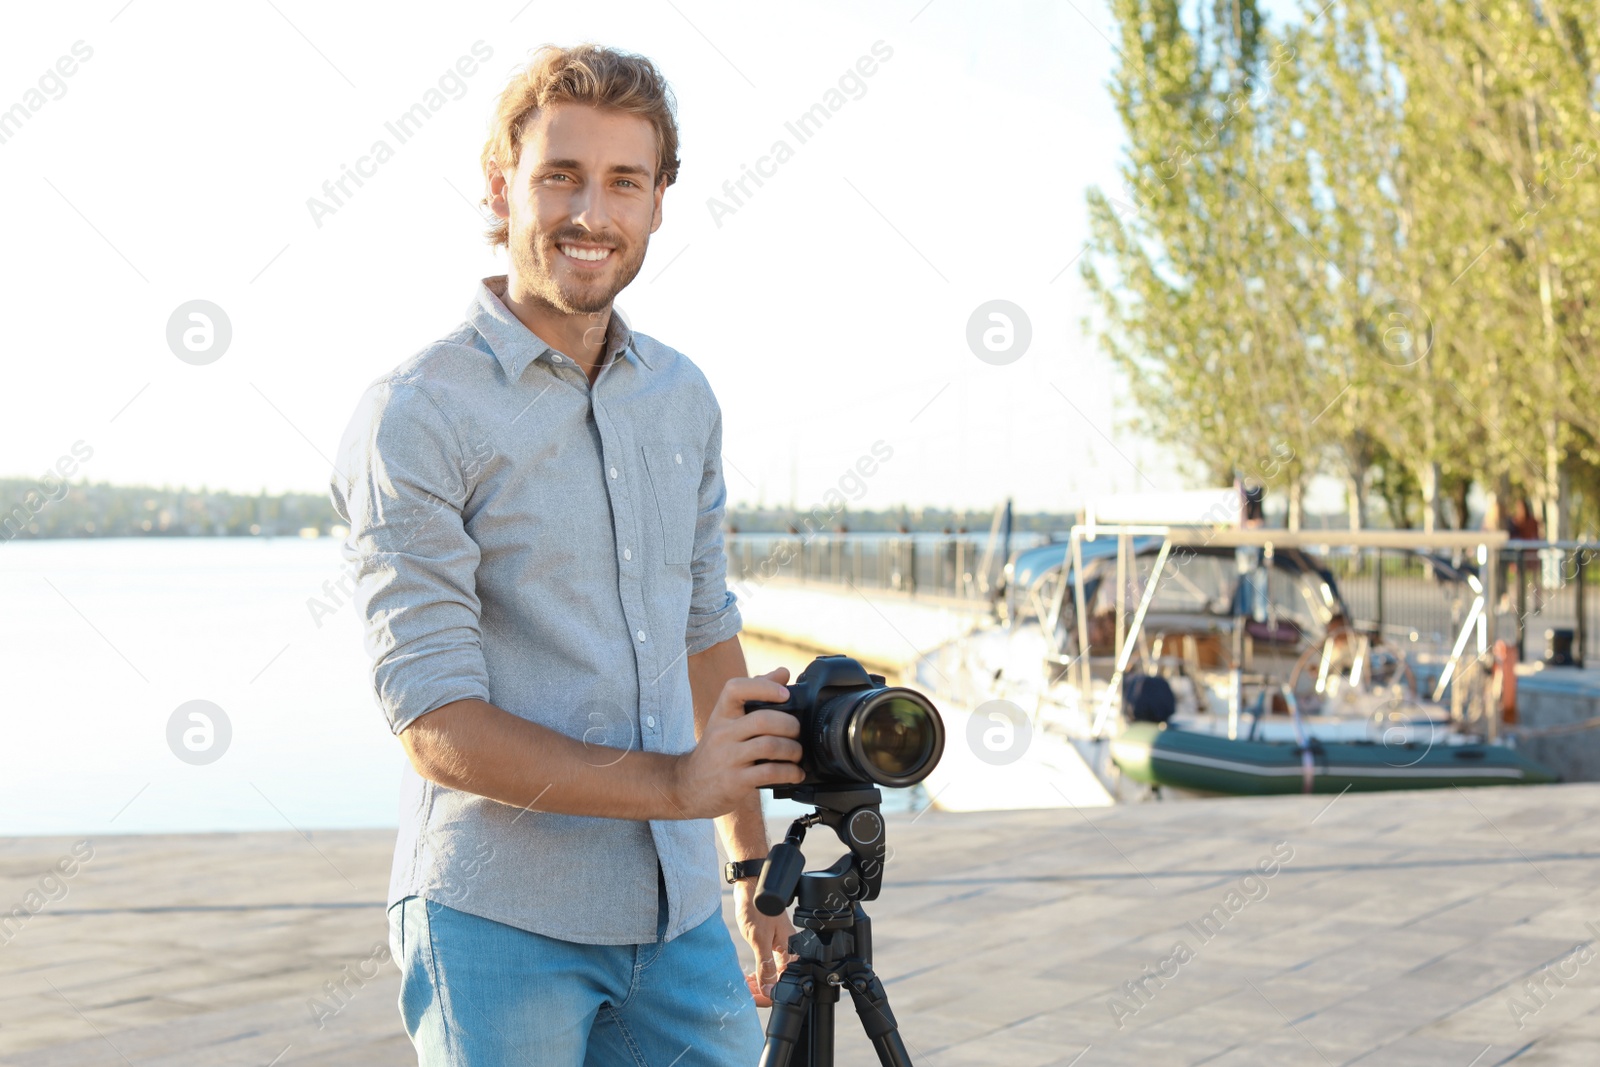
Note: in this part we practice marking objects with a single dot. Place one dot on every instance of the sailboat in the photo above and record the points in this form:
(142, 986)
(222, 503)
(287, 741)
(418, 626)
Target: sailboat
(1131, 660)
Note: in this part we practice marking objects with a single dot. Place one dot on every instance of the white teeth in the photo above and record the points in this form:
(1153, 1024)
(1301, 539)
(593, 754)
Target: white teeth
(586, 253)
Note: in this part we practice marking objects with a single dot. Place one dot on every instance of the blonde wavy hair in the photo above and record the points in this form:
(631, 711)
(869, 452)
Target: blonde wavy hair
(585, 74)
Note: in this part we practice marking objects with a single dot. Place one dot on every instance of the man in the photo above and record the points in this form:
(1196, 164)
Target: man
(535, 506)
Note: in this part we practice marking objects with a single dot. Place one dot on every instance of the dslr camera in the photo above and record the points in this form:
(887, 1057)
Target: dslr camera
(855, 730)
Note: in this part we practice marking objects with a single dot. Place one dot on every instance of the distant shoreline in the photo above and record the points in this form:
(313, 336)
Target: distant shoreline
(34, 510)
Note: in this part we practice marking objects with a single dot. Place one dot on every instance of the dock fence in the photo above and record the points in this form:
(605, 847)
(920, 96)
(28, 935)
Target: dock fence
(944, 565)
(1543, 585)
(1543, 588)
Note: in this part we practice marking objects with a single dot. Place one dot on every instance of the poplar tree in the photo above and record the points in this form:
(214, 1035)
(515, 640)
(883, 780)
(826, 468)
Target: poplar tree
(1363, 245)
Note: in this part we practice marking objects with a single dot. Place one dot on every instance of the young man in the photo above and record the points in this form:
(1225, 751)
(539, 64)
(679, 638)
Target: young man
(535, 506)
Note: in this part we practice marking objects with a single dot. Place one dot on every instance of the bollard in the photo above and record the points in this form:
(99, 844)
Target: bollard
(1377, 589)
(1580, 626)
(1522, 610)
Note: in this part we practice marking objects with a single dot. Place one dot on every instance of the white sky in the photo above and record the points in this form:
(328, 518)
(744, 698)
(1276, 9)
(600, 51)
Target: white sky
(178, 163)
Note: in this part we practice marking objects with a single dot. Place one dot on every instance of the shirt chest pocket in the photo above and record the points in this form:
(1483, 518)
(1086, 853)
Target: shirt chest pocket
(674, 472)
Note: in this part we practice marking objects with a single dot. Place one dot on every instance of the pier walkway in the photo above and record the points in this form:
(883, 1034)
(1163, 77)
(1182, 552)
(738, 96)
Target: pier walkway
(884, 629)
(1441, 928)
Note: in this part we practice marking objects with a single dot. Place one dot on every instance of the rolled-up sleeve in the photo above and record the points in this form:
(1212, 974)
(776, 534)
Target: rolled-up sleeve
(399, 485)
(713, 608)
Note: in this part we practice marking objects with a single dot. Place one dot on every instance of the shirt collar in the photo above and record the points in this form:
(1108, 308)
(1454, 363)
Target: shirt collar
(516, 346)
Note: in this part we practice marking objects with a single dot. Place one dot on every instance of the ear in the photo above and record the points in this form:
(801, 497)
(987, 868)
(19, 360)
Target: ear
(498, 190)
(655, 216)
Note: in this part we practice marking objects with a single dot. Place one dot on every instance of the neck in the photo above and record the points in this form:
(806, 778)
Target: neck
(580, 336)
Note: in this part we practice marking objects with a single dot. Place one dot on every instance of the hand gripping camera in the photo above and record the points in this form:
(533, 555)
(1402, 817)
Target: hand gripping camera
(856, 731)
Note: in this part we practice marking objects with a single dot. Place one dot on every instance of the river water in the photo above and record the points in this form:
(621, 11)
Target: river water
(102, 640)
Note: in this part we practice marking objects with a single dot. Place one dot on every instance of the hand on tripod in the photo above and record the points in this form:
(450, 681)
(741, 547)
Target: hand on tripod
(768, 936)
(760, 989)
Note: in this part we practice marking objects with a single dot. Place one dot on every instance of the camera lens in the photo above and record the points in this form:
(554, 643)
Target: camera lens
(896, 735)
(890, 737)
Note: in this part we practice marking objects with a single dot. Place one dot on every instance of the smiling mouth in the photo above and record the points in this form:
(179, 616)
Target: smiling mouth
(585, 255)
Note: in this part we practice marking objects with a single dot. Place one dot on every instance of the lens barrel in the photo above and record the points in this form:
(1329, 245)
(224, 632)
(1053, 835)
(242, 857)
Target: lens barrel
(889, 736)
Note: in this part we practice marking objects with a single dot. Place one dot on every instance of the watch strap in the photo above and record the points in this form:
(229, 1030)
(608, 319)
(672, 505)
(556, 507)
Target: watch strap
(738, 870)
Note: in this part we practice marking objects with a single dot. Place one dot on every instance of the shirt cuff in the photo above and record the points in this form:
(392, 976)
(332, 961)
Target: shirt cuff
(707, 631)
(411, 685)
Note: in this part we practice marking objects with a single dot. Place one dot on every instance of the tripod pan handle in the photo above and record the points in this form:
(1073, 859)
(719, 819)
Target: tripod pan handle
(779, 879)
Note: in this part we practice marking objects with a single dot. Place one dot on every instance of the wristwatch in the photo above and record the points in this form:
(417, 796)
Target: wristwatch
(738, 870)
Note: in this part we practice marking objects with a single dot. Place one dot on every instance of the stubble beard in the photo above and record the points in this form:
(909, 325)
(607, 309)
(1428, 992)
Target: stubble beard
(537, 261)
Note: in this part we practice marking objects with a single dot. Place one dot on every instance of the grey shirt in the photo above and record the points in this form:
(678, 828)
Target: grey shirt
(554, 548)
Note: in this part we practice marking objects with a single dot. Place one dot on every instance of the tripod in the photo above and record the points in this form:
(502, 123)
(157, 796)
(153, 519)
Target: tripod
(834, 942)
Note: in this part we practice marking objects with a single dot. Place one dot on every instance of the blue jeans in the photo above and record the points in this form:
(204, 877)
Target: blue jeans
(478, 993)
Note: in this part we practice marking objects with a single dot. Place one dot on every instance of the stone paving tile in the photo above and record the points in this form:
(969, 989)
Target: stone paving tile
(995, 1047)
(1562, 1051)
(1277, 1050)
(1415, 1050)
(1396, 934)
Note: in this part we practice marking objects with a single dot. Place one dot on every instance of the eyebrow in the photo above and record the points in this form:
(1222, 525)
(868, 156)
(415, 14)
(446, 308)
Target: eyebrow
(616, 168)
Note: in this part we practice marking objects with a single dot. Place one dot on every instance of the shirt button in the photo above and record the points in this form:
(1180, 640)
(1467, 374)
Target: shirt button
(678, 456)
(613, 472)
(650, 721)
(641, 635)
(556, 357)
(627, 553)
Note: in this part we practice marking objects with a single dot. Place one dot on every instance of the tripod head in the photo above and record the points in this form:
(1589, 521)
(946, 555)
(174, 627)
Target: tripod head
(825, 898)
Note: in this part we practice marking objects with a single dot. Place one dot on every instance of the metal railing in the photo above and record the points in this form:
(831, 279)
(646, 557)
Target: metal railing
(963, 566)
(1400, 595)
(1547, 586)
(1542, 586)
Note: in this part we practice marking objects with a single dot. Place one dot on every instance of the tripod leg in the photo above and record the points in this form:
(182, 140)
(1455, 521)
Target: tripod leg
(872, 1004)
(818, 1046)
(790, 1020)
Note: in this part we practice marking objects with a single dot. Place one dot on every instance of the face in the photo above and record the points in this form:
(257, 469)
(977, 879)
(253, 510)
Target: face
(582, 202)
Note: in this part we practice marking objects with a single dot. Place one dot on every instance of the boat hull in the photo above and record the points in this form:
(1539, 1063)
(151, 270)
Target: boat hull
(1205, 763)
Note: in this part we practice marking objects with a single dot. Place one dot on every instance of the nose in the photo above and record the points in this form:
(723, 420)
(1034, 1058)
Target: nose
(591, 208)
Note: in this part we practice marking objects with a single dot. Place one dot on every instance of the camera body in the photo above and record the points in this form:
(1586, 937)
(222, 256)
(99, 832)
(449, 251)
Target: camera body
(856, 731)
